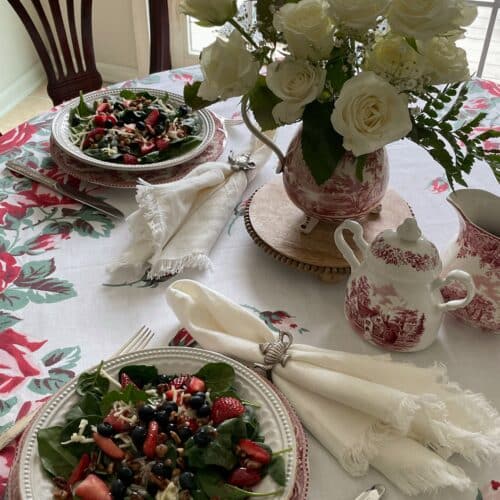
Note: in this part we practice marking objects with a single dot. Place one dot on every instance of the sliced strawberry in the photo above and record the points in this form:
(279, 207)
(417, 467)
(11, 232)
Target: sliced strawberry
(126, 380)
(170, 396)
(149, 447)
(147, 147)
(196, 385)
(100, 120)
(79, 470)
(254, 451)
(244, 477)
(181, 382)
(118, 424)
(108, 446)
(129, 159)
(103, 107)
(94, 135)
(93, 488)
(152, 118)
(225, 408)
(162, 144)
(192, 423)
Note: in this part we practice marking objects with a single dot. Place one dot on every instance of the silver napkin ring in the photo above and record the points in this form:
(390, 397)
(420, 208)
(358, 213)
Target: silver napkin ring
(241, 161)
(275, 352)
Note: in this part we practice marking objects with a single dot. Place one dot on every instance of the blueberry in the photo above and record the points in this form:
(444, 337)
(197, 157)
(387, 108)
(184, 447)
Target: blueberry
(170, 407)
(159, 129)
(126, 474)
(203, 436)
(118, 489)
(162, 417)
(152, 488)
(204, 411)
(146, 413)
(197, 400)
(138, 435)
(141, 125)
(160, 469)
(105, 429)
(184, 110)
(184, 433)
(187, 481)
(108, 123)
(163, 378)
(120, 123)
(118, 106)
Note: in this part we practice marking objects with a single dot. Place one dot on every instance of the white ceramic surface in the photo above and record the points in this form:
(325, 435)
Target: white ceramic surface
(31, 483)
(60, 133)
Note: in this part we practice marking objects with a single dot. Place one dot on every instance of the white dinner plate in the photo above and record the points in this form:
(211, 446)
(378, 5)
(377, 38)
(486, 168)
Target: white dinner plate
(61, 132)
(28, 481)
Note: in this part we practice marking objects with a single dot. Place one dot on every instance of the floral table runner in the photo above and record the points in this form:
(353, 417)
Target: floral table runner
(61, 312)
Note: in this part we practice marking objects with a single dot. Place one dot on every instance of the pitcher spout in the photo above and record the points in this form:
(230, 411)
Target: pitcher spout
(479, 208)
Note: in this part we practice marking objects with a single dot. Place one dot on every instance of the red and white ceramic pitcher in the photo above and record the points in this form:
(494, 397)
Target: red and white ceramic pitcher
(477, 251)
(393, 295)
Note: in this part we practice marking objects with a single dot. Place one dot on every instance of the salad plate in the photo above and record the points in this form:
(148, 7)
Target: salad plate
(277, 422)
(136, 129)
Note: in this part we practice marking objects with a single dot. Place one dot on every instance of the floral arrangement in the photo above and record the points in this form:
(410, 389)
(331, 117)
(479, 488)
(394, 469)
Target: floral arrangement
(358, 74)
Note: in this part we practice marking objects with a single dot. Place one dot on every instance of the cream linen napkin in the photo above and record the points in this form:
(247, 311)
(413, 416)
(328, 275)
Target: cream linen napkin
(178, 223)
(366, 410)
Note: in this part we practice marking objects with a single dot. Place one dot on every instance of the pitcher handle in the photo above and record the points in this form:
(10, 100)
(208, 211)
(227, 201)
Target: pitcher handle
(357, 230)
(255, 131)
(462, 277)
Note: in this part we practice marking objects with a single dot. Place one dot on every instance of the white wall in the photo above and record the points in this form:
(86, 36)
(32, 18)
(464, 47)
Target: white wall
(21, 71)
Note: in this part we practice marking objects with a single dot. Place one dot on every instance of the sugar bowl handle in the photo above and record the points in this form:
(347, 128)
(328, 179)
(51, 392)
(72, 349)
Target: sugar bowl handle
(462, 277)
(357, 230)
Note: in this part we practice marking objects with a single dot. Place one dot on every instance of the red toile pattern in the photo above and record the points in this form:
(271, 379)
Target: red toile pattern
(343, 196)
(399, 257)
(395, 328)
(474, 242)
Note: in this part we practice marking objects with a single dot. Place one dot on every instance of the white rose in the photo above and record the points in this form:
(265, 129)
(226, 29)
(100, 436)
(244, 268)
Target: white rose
(468, 13)
(394, 60)
(357, 14)
(445, 62)
(423, 19)
(369, 113)
(296, 83)
(307, 28)
(228, 68)
(210, 12)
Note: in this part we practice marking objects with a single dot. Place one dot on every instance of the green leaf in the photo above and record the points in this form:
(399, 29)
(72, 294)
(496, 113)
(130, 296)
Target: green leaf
(6, 405)
(91, 223)
(56, 460)
(219, 377)
(175, 149)
(128, 395)
(90, 404)
(251, 422)
(335, 74)
(277, 470)
(83, 109)
(262, 102)
(412, 43)
(479, 495)
(140, 374)
(50, 290)
(213, 454)
(93, 383)
(7, 320)
(51, 384)
(33, 272)
(13, 299)
(78, 449)
(321, 144)
(128, 94)
(192, 98)
(231, 431)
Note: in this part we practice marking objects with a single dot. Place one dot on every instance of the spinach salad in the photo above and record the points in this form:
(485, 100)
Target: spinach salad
(134, 128)
(158, 436)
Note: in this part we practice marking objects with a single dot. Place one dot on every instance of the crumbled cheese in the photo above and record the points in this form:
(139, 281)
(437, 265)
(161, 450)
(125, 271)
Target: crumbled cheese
(169, 493)
(79, 437)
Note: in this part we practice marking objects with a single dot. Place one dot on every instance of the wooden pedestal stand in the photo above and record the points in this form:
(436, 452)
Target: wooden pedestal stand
(273, 222)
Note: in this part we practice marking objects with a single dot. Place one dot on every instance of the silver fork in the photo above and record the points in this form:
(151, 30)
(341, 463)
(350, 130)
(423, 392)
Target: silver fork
(137, 342)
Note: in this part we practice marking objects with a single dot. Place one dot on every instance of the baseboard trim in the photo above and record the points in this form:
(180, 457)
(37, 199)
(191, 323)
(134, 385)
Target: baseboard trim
(113, 73)
(25, 85)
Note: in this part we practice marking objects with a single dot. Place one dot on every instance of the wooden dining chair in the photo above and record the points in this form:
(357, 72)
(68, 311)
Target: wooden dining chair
(159, 30)
(68, 61)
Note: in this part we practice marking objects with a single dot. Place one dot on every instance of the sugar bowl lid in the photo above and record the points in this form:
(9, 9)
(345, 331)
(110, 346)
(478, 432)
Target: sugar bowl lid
(405, 249)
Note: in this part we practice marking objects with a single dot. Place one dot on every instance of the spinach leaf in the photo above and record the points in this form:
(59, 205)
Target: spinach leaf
(210, 480)
(90, 404)
(231, 431)
(251, 423)
(219, 377)
(128, 395)
(140, 374)
(56, 460)
(146, 95)
(277, 470)
(176, 148)
(199, 495)
(93, 383)
(128, 94)
(83, 109)
(213, 454)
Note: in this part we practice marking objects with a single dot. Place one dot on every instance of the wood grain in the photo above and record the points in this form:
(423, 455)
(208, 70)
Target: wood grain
(273, 222)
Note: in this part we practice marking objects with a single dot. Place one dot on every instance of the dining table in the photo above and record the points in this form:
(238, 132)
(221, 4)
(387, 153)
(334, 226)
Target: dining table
(62, 311)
